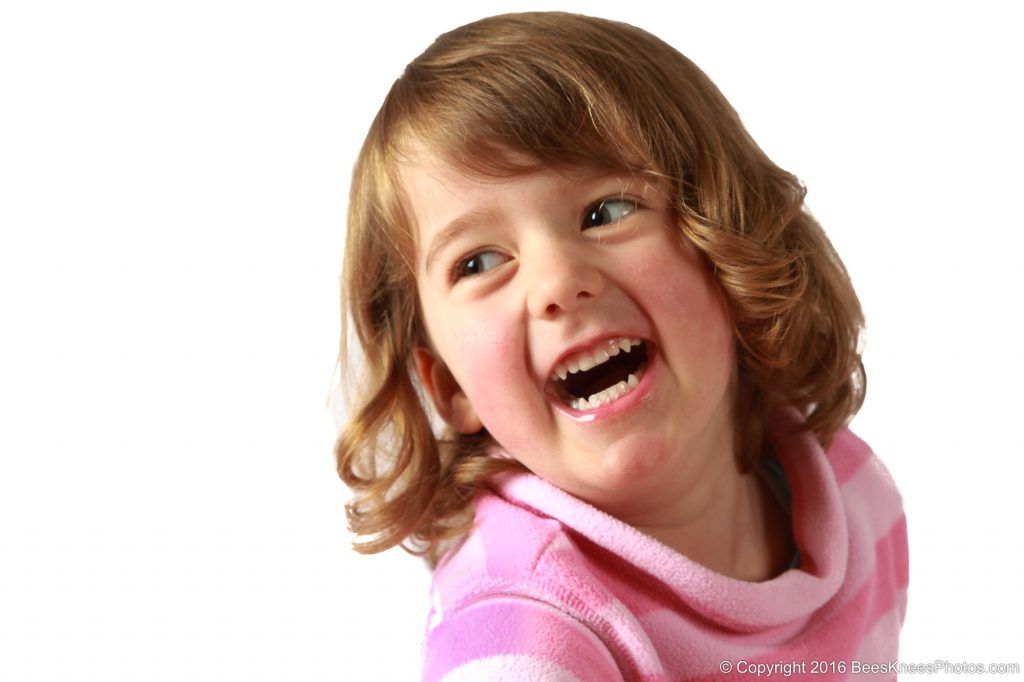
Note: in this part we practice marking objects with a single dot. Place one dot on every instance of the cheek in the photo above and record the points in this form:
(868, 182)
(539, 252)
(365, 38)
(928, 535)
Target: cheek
(492, 371)
(683, 283)
(691, 311)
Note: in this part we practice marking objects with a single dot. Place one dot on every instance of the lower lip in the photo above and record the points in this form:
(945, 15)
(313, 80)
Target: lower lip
(622, 404)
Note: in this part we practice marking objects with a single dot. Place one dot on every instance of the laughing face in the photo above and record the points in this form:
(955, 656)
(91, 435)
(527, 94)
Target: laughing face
(566, 318)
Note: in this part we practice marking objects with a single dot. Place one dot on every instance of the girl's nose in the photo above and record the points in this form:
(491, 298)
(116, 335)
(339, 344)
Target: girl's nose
(561, 281)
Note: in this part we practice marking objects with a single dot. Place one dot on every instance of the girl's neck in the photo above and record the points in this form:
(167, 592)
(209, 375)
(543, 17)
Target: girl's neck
(737, 529)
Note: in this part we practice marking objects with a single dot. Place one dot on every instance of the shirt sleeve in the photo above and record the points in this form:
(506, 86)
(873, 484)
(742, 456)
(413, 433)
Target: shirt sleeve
(515, 638)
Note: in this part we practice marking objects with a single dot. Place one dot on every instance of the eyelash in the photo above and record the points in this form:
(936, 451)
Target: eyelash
(456, 273)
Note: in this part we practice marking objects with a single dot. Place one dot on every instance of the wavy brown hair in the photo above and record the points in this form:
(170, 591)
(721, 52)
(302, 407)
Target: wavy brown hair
(558, 90)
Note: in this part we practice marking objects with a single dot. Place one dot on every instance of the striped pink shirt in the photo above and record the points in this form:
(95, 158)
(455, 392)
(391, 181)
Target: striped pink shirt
(547, 587)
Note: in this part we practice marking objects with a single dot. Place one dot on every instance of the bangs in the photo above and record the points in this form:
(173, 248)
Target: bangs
(512, 108)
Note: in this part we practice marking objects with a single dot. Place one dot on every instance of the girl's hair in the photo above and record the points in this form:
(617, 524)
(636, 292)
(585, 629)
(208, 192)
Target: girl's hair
(560, 89)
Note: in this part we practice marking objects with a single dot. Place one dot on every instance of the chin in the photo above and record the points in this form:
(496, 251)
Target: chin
(628, 472)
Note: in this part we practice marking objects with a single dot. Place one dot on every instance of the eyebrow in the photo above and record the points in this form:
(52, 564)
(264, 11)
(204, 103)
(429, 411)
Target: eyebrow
(467, 221)
(457, 228)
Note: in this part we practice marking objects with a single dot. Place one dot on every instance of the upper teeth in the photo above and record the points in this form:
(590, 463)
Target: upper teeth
(586, 361)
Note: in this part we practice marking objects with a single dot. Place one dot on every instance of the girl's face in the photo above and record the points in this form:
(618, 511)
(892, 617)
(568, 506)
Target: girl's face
(520, 279)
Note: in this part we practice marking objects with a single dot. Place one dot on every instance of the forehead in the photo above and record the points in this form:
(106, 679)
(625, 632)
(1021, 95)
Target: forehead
(421, 172)
(435, 192)
(431, 186)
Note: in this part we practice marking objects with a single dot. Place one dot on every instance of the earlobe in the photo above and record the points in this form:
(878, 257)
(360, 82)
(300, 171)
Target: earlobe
(445, 393)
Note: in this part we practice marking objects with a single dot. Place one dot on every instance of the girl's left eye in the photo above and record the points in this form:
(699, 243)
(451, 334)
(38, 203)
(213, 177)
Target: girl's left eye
(479, 262)
(608, 211)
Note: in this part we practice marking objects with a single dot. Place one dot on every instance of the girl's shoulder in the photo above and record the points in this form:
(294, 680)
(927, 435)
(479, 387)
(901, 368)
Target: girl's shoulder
(862, 476)
(510, 600)
(875, 515)
(512, 549)
(858, 472)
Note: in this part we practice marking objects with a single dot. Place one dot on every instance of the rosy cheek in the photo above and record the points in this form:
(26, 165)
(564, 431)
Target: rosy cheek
(675, 284)
(683, 292)
(492, 364)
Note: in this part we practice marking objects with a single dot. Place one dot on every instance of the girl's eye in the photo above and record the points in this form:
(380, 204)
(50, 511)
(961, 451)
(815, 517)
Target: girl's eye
(608, 211)
(475, 264)
(602, 213)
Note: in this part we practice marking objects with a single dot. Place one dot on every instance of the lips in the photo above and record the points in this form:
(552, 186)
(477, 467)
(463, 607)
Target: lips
(619, 405)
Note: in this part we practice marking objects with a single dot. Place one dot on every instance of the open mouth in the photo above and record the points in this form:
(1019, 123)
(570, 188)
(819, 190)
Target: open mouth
(608, 376)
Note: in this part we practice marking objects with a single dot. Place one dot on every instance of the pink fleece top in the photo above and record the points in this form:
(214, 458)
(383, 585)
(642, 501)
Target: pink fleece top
(547, 587)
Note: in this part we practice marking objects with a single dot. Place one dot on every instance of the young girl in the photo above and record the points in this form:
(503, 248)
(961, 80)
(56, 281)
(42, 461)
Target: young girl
(643, 352)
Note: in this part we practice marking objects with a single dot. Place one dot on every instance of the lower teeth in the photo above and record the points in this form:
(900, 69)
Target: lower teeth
(611, 393)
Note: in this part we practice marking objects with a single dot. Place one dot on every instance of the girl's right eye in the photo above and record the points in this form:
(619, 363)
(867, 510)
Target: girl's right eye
(475, 264)
(600, 214)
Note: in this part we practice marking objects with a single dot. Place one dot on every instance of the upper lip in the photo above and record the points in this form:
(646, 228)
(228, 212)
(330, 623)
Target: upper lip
(590, 345)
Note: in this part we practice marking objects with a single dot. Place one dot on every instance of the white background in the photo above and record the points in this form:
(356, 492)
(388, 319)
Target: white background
(173, 181)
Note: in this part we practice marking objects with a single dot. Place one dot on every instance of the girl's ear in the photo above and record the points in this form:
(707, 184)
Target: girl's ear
(449, 400)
